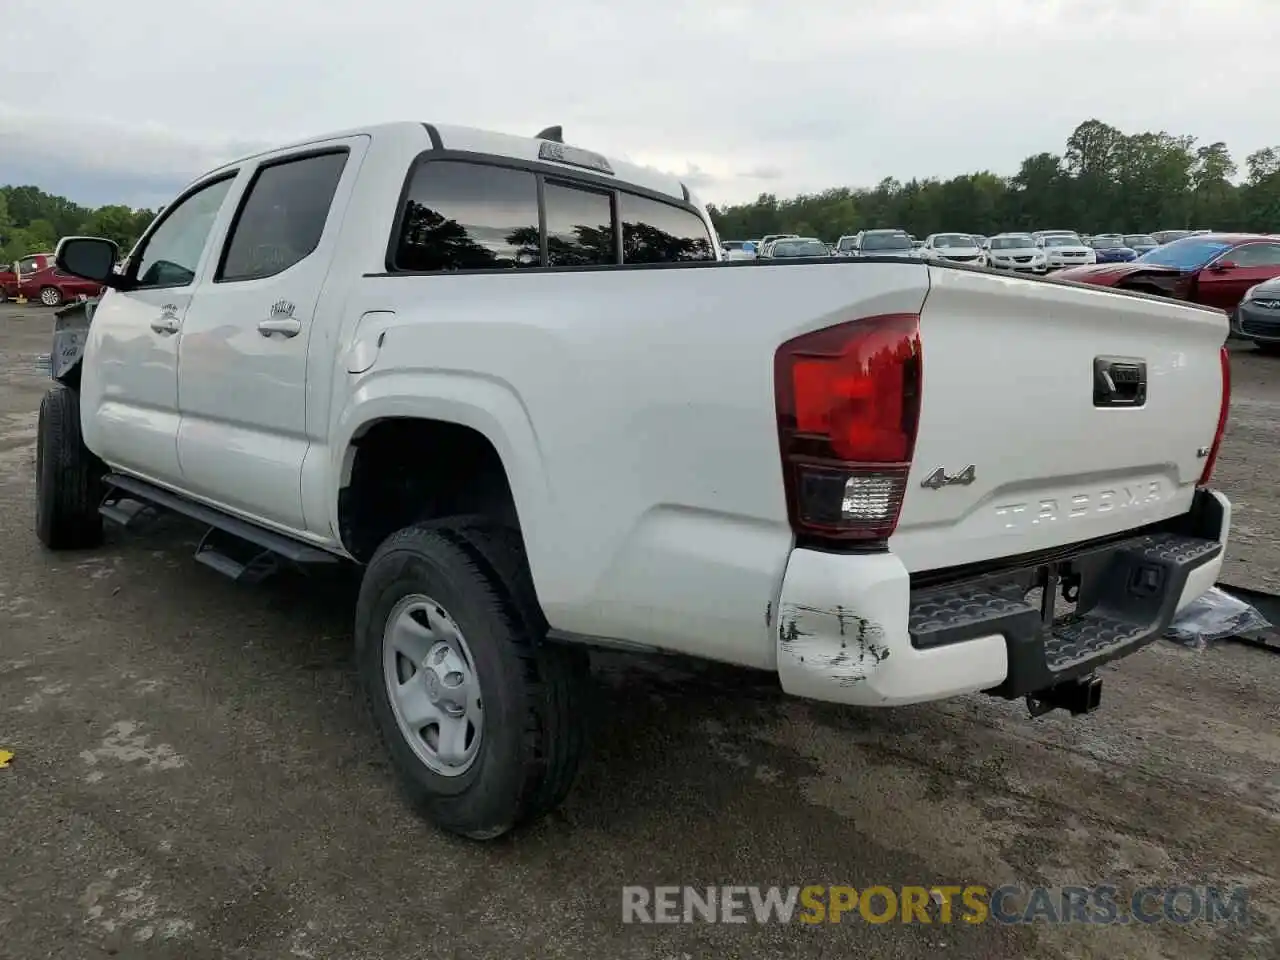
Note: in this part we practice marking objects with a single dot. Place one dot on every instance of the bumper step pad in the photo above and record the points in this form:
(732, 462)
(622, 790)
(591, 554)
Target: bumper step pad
(1127, 595)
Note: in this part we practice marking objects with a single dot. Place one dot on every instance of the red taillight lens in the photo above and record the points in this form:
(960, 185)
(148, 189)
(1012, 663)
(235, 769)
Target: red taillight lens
(848, 400)
(1211, 461)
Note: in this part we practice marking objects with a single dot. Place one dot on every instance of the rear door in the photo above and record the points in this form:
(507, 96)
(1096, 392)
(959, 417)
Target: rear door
(1252, 263)
(129, 390)
(242, 368)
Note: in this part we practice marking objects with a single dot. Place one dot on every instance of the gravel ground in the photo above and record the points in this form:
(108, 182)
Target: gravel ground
(195, 774)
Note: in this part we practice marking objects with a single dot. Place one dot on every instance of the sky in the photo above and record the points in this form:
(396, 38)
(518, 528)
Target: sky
(739, 97)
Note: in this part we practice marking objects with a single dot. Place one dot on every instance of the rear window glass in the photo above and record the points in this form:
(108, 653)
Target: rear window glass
(886, 241)
(656, 232)
(579, 227)
(469, 216)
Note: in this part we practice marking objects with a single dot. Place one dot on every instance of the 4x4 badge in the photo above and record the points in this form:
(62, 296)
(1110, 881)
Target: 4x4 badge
(940, 478)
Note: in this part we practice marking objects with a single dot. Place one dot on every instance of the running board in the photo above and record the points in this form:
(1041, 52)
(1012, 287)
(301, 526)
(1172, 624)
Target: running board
(236, 548)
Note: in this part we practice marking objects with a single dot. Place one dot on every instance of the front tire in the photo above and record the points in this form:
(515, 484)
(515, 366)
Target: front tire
(68, 476)
(51, 296)
(481, 717)
(1269, 347)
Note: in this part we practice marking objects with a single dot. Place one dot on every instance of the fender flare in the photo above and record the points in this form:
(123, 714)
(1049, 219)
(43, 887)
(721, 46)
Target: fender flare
(488, 405)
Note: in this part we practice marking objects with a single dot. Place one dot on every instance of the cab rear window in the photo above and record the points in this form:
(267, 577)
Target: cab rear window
(466, 215)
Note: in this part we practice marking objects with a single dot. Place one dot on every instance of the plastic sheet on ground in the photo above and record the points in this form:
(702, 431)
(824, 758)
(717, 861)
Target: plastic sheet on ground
(1215, 616)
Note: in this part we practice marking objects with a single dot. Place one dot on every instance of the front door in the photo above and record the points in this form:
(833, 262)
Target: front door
(1251, 263)
(129, 390)
(242, 368)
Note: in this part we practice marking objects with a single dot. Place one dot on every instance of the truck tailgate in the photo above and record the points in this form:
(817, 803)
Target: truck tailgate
(1009, 391)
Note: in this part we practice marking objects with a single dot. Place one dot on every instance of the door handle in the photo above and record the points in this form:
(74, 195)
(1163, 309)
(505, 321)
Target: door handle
(166, 324)
(286, 326)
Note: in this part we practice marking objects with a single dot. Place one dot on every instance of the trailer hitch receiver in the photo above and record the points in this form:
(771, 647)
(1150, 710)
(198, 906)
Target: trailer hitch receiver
(1083, 695)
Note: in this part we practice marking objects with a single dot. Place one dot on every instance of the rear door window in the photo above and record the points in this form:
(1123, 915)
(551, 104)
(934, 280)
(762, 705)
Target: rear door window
(282, 216)
(657, 232)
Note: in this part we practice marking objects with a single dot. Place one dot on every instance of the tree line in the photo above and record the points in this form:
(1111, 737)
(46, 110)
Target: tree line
(1105, 181)
(32, 221)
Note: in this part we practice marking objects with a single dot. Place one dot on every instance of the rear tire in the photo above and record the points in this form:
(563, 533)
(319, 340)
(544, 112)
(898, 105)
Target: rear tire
(68, 476)
(466, 586)
(51, 296)
(1268, 348)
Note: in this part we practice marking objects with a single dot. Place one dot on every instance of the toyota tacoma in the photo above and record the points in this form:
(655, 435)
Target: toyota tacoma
(513, 383)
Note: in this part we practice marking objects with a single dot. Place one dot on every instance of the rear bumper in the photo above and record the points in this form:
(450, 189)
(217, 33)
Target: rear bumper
(853, 629)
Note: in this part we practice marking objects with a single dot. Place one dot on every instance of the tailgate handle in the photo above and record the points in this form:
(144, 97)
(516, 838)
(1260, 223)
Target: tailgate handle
(1119, 382)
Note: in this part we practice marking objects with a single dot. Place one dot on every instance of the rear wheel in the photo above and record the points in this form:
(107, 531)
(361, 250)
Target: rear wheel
(1270, 347)
(68, 476)
(51, 296)
(481, 717)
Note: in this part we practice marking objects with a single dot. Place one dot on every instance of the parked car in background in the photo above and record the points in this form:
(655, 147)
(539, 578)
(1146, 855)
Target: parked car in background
(789, 247)
(738, 249)
(1063, 250)
(1140, 243)
(767, 240)
(958, 247)
(846, 245)
(14, 275)
(1039, 235)
(1111, 249)
(1215, 270)
(1257, 317)
(1168, 236)
(1014, 251)
(49, 286)
(883, 243)
(979, 239)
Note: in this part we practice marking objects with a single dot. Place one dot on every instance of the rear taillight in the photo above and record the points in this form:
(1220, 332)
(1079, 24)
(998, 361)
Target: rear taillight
(1211, 461)
(848, 400)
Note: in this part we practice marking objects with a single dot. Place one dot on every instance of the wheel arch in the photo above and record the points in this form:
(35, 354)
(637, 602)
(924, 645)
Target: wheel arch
(480, 422)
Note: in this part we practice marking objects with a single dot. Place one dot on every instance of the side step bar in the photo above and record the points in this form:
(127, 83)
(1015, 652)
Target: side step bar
(235, 548)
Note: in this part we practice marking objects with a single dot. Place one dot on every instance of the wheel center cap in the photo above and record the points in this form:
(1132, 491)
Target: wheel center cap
(433, 686)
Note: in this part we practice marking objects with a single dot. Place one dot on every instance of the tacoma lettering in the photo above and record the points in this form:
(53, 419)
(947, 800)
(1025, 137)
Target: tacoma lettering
(1035, 512)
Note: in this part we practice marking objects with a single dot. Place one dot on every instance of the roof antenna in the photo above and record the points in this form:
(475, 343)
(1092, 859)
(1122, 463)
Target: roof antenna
(554, 134)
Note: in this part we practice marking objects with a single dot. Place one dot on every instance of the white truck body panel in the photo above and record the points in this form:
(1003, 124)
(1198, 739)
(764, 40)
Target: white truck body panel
(634, 412)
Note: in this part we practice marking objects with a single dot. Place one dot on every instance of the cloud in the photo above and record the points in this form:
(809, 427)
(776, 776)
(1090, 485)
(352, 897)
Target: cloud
(738, 95)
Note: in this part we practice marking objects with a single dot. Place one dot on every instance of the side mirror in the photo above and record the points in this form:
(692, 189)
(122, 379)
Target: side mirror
(1222, 266)
(91, 258)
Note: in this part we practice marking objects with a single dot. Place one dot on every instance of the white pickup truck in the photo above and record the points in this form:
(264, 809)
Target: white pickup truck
(512, 380)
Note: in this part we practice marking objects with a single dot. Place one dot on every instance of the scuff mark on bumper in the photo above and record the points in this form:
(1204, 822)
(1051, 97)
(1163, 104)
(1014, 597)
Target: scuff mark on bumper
(835, 640)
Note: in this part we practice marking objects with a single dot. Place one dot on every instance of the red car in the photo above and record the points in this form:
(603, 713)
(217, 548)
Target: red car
(1213, 269)
(39, 279)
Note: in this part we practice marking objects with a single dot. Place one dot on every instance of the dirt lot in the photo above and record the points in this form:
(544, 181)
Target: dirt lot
(195, 774)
